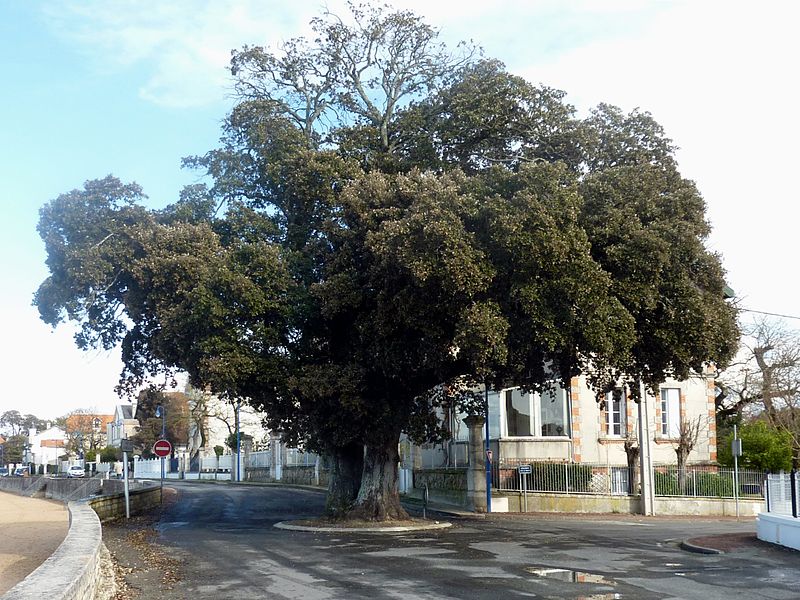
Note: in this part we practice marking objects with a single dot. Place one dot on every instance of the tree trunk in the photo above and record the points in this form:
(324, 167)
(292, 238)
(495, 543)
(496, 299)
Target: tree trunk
(632, 456)
(345, 479)
(378, 498)
(682, 454)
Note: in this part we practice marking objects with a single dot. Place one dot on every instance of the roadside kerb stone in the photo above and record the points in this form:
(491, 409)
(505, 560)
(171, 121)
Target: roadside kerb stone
(697, 549)
(72, 570)
(388, 529)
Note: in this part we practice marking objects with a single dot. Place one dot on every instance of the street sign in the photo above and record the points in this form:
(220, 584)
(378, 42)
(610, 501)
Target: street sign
(736, 447)
(162, 448)
(525, 469)
(126, 445)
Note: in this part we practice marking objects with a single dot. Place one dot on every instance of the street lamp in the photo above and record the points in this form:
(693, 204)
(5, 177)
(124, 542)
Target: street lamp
(162, 412)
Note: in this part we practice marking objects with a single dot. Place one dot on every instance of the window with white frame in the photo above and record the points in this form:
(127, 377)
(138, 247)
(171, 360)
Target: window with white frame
(671, 412)
(518, 413)
(535, 415)
(615, 412)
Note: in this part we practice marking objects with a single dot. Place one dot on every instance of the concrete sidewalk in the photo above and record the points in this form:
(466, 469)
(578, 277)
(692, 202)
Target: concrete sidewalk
(31, 531)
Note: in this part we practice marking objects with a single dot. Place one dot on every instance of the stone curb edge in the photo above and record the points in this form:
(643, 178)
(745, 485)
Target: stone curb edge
(400, 529)
(690, 547)
(71, 571)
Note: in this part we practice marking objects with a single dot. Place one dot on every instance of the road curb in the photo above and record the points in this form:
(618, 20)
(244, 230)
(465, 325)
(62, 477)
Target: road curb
(697, 549)
(288, 525)
(72, 571)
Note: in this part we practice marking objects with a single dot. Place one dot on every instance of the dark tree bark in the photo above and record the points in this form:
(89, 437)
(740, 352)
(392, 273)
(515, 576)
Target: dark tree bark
(632, 455)
(345, 479)
(378, 498)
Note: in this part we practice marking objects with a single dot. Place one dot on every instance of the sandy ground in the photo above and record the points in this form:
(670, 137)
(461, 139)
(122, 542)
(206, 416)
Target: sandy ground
(30, 530)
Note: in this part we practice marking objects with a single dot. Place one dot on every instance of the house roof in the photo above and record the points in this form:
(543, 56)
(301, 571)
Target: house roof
(84, 421)
(52, 444)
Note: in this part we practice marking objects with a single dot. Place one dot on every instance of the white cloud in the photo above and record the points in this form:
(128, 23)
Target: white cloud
(184, 47)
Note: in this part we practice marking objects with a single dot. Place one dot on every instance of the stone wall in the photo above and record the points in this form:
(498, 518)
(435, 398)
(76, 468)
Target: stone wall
(444, 485)
(441, 479)
(112, 506)
(302, 475)
(72, 489)
(24, 486)
(258, 474)
(72, 571)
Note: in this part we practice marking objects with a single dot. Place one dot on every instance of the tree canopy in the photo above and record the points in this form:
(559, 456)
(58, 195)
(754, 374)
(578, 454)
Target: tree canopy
(387, 217)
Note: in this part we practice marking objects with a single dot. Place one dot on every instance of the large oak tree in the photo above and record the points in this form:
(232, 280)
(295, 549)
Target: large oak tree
(387, 219)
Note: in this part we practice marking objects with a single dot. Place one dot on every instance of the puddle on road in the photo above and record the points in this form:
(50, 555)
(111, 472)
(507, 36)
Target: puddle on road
(572, 576)
(569, 575)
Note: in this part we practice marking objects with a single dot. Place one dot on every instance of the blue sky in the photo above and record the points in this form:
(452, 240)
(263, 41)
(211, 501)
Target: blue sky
(129, 87)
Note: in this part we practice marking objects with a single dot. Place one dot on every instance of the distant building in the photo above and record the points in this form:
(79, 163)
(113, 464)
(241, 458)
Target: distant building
(214, 420)
(47, 447)
(123, 425)
(87, 431)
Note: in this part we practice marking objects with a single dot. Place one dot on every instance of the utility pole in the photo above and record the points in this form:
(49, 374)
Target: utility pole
(238, 443)
(488, 452)
(645, 456)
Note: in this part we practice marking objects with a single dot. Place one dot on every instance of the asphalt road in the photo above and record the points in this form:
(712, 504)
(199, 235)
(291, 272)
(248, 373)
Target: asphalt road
(224, 536)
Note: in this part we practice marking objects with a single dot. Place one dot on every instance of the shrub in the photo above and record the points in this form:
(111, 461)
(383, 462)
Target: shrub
(555, 477)
(666, 484)
(711, 484)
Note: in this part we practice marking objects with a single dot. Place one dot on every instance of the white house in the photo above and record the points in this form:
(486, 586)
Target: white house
(217, 418)
(123, 425)
(46, 447)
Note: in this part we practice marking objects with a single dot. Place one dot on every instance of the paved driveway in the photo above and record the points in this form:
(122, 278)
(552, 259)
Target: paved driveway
(224, 536)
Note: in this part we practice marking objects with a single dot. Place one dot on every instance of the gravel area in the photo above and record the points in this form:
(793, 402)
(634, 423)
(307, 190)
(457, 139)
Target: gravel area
(142, 568)
(31, 531)
(727, 542)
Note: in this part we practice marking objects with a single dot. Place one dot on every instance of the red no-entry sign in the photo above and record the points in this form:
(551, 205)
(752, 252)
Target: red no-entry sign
(162, 448)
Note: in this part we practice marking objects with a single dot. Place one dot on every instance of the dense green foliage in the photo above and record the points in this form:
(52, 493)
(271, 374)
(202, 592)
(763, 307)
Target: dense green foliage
(763, 448)
(14, 448)
(395, 217)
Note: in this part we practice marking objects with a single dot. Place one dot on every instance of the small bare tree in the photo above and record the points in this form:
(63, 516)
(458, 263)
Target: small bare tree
(766, 379)
(688, 435)
(632, 451)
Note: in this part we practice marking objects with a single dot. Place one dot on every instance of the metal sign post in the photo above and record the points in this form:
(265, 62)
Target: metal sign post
(524, 471)
(162, 448)
(127, 446)
(736, 450)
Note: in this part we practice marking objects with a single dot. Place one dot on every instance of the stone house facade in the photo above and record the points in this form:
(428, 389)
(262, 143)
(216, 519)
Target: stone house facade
(572, 425)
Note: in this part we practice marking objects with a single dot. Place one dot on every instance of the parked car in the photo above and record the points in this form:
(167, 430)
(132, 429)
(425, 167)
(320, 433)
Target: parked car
(76, 471)
(22, 472)
(4, 472)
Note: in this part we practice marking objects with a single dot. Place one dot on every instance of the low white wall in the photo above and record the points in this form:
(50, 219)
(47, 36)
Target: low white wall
(707, 507)
(779, 529)
(603, 503)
